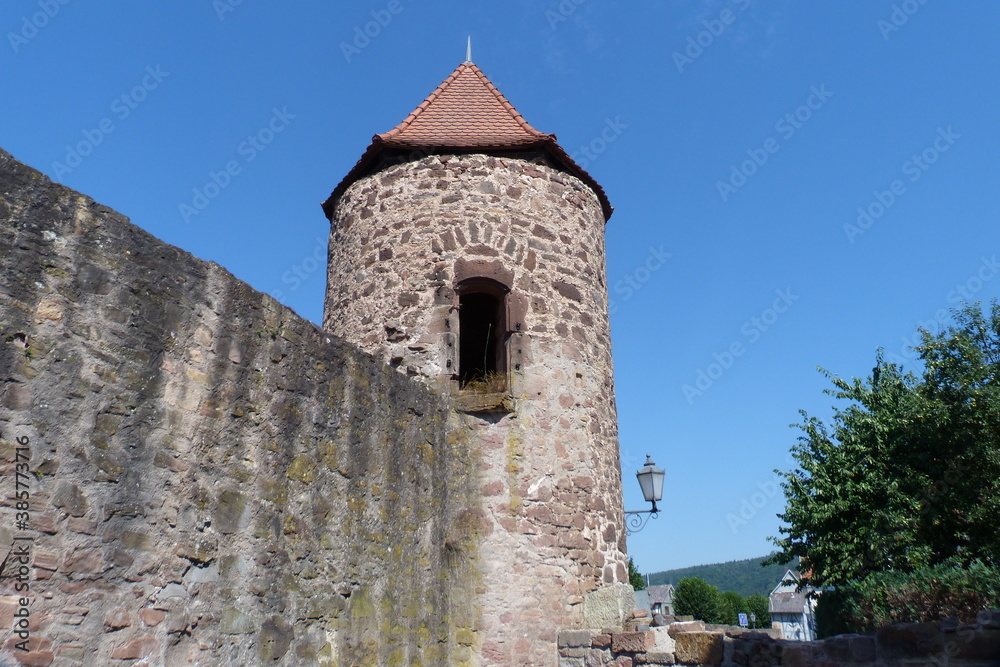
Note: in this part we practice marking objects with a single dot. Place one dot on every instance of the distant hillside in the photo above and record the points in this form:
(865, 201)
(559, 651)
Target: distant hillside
(746, 577)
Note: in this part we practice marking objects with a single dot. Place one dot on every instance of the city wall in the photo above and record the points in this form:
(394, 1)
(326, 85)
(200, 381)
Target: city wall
(210, 478)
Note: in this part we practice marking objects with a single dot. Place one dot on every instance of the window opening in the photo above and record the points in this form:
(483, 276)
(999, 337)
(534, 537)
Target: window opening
(482, 334)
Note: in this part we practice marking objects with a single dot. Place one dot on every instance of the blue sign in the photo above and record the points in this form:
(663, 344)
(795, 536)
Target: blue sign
(743, 620)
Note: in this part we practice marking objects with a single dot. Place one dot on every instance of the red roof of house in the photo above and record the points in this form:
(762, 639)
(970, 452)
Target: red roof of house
(465, 112)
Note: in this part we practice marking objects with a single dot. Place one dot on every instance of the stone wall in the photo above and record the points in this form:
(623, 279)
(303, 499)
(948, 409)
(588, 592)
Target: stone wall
(213, 480)
(402, 240)
(692, 643)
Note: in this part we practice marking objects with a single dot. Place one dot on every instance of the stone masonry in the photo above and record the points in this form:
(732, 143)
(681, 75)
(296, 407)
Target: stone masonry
(213, 480)
(697, 645)
(402, 239)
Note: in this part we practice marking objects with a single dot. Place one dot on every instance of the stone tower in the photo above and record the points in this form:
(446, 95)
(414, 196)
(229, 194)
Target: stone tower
(467, 249)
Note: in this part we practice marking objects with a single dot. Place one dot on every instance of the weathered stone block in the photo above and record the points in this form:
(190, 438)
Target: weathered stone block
(863, 649)
(632, 642)
(973, 643)
(87, 561)
(910, 640)
(231, 512)
(989, 619)
(275, 637)
(699, 648)
(664, 643)
(117, 619)
(608, 606)
(139, 647)
(235, 622)
(17, 397)
(69, 498)
(685, 626)
(152, 617)
(797, 655)
(575, 638)
(39, 653)
(836, 648)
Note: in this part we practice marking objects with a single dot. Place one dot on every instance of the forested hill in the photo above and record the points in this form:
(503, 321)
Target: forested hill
(745, 577)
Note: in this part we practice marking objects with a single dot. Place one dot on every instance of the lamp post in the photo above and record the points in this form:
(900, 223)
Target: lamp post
(651, 481)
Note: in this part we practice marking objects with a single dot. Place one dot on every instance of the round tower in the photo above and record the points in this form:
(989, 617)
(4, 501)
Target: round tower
(467, 249)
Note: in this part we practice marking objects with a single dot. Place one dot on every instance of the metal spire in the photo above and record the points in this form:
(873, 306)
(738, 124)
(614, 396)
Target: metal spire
(468, 51)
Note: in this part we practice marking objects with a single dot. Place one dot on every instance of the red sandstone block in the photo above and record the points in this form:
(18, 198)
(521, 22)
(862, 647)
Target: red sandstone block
(35, 658)
(601, 641)
(140, 647)
(152, 617)
(84, 562)
(632, 642)
(116, 619)
(39, 653)
(78, 525)
(46, 561)
(509, 523)
(493, 489)
(45, 523)
(73, 615)
(8, 605)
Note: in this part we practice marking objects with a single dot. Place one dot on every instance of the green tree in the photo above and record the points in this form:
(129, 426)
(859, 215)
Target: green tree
(731, 605)
(908, 475)
(635, 577)
(759, 607)
(695, 597)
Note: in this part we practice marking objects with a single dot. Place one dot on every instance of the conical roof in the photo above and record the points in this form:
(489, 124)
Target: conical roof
(466, 112)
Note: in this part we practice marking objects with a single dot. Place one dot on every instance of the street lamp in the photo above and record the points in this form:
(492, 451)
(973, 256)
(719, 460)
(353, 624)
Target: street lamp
(651, 481)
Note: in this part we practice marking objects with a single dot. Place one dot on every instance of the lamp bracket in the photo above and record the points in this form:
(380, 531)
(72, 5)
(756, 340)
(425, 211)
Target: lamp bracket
(634, 522)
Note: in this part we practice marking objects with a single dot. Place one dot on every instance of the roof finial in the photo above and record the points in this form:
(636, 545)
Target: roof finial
(468, 51)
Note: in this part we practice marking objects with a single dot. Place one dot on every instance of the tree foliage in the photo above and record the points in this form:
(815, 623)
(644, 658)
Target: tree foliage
(745, 577)
(760, 608)
(731, 605)
(698, 598)
(927, 594)
(635, 577)
(908, 474)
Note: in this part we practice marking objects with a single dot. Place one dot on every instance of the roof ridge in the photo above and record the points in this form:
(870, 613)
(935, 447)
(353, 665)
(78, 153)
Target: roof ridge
(507, 105)
(384, 136)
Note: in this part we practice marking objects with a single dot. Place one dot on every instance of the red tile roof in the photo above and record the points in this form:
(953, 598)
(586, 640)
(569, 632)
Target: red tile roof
(465, 112)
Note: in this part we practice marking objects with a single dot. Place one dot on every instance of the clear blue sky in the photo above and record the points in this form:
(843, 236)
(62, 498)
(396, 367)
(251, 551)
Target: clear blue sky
(829, 101)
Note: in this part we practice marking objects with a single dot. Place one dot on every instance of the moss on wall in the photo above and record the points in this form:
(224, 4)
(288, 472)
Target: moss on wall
(219, 479)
